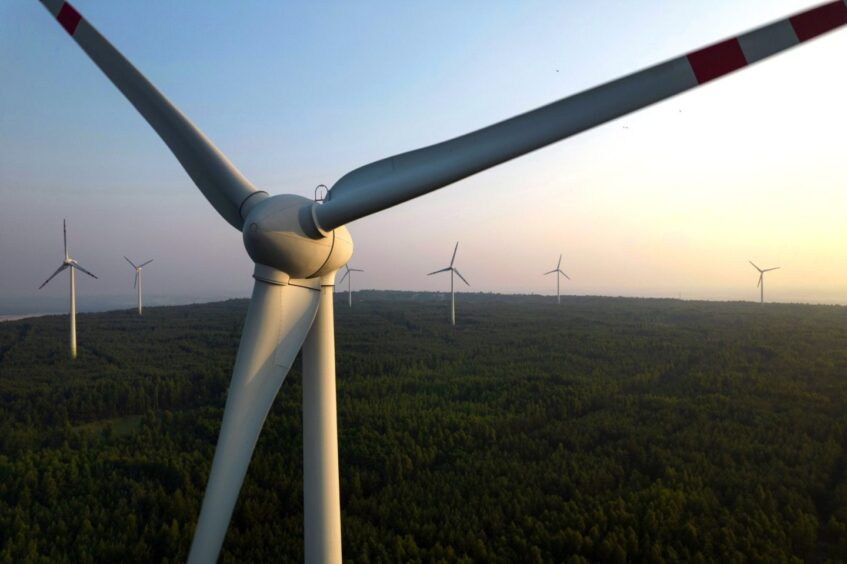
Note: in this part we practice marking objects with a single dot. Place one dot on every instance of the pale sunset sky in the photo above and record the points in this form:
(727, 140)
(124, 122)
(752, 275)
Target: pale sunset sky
(670, 201)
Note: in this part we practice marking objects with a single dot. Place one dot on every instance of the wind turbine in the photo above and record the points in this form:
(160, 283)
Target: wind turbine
(137, 283)
(761, 284)
(559, 273)
(73, 265)
(452, 271)
(298, 244)
(349, 277)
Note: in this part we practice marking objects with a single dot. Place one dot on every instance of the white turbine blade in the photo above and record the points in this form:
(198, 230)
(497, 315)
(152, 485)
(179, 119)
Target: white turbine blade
(143, 264)
(340, 280)
(130, 262)
(58, 270)
(135, 282)
(76, 265)
(65, 235)
(769, 269)
(551, 272)
(456, 248)
(759, 283)
(462, 277)
(278, 319)
(442, 270)
(754, 265)
(388, 182)
(559, 264)
(565, 275)
(221, 183)
(356, 270)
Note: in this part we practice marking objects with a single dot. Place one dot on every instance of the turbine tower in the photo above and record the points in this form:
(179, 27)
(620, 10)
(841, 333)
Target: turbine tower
(452, 271)
(73, 265)
(559, 274)
(761, 284)
(298, 245)
(349, 277)
(137, 283)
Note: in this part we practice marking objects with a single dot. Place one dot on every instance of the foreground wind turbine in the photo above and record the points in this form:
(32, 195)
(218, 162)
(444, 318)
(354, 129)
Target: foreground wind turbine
(297, 244)
(452, 271)
(137, 283)
(349, 278)
(559, 274)
(73, 265)
(761, 284)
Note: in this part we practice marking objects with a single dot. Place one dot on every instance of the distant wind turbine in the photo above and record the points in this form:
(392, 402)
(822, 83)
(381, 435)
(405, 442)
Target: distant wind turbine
(68, 262)
(452, 270)
(349, 277)
(761, 284)
(558, 271)
(137, 283)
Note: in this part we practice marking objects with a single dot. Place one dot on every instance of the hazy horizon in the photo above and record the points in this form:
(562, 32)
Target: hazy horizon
(15, 306)
(672, 200)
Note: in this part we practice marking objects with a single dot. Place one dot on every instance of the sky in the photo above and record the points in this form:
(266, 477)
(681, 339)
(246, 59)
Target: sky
(671, 201)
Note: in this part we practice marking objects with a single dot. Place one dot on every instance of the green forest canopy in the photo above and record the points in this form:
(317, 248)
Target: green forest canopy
(602, 429)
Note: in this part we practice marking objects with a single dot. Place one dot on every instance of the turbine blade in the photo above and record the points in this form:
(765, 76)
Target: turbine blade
(217, 178)
(65, 235)
(565, 275)
(559, 264)
(759, 283)
(769, 269)
(143, 264)
(356, 270)
(754, 265)
(388, 182)
(135, 282)
(340, 280)
(456, 248)
(442, 270)
(460, 276)
(130, 262)
(76, 265)
(551, 272)
(58, 270)
(278, 319)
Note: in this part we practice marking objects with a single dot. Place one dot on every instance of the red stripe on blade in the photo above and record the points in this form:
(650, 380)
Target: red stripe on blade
(717, 60)
(819, 20)
(69, 18)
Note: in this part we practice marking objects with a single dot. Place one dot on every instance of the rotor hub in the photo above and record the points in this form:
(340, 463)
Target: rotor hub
(279, 233)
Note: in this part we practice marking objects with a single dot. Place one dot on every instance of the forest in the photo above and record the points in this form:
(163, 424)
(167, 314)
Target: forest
(602, 429)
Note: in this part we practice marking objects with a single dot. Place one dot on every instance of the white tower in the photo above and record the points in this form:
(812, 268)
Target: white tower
(761, 284)
(73, 265)
(558, 272)
(452, 271)
(137, 283)
(349, 278)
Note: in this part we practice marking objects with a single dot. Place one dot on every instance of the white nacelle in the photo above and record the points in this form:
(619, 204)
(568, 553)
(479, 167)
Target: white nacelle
(277, 234)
